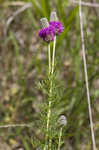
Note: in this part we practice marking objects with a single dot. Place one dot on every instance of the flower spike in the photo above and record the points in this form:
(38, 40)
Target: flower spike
(55, 23)
(47, 34)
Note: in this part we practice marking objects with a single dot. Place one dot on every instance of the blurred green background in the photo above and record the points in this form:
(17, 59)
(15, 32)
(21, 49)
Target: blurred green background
(23, 63)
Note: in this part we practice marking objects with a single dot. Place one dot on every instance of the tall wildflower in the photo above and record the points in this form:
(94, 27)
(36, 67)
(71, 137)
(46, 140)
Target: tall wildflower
(48, 33)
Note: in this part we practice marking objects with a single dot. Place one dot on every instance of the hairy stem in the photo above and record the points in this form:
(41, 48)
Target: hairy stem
(86, 77)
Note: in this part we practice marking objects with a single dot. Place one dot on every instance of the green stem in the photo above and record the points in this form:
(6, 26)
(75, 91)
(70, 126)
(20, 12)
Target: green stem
(51, 85)
(51, 70)
(60, 136)
(53, 57)
(50, 143)
(49, 58)
(49, 105)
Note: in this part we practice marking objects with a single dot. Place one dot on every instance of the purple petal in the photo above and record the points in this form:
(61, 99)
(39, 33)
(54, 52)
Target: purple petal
(47, 34)
(58, 26)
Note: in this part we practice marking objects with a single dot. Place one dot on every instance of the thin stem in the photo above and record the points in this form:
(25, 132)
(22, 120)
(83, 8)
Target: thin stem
(50, 144)
(49, 104)
(49, 58)
(15, 125)
(87, 4)
(60, 135)
(86, 77)
(20, 10)
(51, 70)
(53, 57)
(48, 116)
(51, 85)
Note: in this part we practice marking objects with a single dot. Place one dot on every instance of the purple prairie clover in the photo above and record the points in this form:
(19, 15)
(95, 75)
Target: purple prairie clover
(47, 34)
(58, 27)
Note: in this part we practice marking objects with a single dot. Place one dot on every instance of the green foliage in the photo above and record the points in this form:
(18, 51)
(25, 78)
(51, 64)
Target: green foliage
(56, 99)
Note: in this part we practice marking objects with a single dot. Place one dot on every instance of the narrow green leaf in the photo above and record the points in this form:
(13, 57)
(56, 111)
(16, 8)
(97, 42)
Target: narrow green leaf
(45, 7)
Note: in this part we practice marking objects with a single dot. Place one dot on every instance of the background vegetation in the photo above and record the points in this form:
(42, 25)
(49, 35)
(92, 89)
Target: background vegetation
(23, 64)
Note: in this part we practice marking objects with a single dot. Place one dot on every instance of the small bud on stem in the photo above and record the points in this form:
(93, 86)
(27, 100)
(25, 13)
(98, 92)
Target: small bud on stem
(53, 16)
(62, 120)
(44, 22)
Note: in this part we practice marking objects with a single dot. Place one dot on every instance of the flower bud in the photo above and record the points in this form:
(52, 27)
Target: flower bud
(62, 120)
(38, 148)
(44, 22)
(53, 16)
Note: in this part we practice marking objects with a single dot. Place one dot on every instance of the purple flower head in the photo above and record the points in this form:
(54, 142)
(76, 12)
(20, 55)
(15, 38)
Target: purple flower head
(58, 27)
(48, 33)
